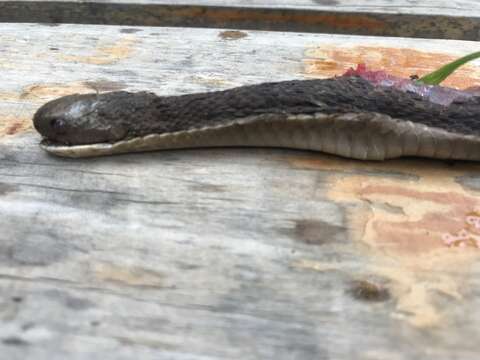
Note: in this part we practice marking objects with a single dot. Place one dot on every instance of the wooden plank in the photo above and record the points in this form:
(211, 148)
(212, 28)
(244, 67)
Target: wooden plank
(225, 254)
(426, 19)
(438, 7)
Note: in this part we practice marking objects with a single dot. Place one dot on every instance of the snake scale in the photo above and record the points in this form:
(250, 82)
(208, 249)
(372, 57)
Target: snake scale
(346, 116)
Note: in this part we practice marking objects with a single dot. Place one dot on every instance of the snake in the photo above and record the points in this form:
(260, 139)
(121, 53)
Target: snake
(346, 116)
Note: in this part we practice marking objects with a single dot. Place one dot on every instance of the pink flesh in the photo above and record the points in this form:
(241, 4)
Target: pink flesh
(437, 94)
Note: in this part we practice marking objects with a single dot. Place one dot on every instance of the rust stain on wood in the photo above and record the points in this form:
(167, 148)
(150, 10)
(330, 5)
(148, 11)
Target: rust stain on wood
(413, 209)
(335, 60)
(49, 91)
(9, 96)
(335, 21)
(403, 214)
(428, 211)
(105, 55)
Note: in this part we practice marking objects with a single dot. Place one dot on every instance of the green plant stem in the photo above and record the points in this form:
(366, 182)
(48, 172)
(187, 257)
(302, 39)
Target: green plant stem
(437, 76)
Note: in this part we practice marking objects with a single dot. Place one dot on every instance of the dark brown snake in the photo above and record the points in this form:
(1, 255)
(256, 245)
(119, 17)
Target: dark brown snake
(346, 116)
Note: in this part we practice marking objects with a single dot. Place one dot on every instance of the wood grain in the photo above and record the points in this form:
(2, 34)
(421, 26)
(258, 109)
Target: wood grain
(227, 253)
(422, 19)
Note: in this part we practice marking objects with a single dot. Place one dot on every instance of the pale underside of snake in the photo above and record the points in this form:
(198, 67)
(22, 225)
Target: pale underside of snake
(348, 116)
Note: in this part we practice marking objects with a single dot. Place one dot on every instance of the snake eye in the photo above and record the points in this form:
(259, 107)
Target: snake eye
(56, 123)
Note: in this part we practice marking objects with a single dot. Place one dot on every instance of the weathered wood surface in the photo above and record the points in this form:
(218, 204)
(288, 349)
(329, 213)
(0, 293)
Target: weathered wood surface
(226, 254)
(423, 19)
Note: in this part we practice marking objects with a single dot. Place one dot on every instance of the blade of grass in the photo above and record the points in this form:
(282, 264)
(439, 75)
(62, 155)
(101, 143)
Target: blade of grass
(437, 76)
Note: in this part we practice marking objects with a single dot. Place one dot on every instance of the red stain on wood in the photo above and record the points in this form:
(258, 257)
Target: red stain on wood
(335, 60)
(425, 217)
(14, 128)
(11, 125)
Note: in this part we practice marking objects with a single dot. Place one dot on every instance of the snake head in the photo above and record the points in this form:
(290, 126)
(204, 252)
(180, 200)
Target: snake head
(78, 119)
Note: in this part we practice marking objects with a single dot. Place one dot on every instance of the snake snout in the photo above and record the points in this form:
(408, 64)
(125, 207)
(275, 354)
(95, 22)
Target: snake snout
(76, 119)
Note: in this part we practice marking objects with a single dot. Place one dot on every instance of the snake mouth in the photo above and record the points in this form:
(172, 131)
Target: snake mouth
(47, 144)
(75, 151)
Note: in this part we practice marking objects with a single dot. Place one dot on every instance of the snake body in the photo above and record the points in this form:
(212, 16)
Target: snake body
(346, 116)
